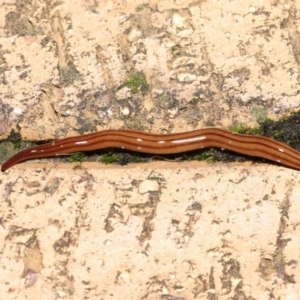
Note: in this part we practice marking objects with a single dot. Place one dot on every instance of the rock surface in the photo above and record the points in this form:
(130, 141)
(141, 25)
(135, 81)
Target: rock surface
(186, 230)
(147, 231)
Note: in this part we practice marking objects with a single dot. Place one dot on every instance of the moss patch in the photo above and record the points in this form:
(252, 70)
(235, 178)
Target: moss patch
(142, 7)
(137, 83)
(77, 157)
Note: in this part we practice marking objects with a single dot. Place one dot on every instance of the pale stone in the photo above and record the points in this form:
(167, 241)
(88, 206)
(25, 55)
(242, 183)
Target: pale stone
(123, 93)
(186, 77)
(182, 61)
(148, 186)
(125, 111)
(178, 20)
(134, 35)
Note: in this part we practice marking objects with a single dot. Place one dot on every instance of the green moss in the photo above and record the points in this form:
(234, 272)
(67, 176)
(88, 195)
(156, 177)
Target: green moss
(206, 156)
(267, 121)
(109, 158)
(77, 157)
(137, 82)
(12, 144)
(259, 113)
(17, 144)
(142, 7)
(237, 128)
(245, 129)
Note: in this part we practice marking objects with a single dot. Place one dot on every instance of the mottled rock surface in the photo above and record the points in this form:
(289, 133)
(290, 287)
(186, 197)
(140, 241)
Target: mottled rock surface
(147, 231)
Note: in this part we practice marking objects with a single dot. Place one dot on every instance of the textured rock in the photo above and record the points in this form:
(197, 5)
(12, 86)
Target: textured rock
(186, 230)
(219, 61)
(148, 231)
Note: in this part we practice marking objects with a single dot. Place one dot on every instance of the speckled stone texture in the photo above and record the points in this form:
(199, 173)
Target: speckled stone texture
(148, 231)
(188, 230)
(64, 65)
